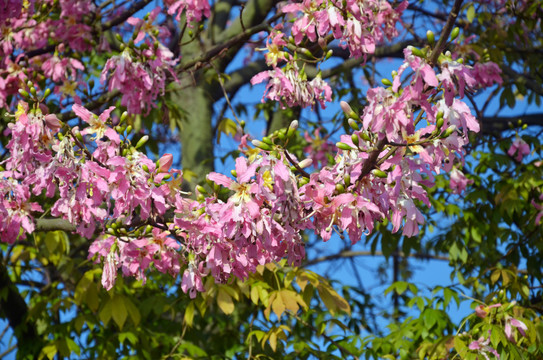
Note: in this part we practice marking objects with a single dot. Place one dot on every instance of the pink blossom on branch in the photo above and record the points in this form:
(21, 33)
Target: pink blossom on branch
(194, 10)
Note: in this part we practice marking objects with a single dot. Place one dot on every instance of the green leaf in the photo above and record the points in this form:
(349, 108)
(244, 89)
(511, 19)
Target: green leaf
(470, 13)
(119, 312)
(227, 126)
(224, 300)
(189, 314)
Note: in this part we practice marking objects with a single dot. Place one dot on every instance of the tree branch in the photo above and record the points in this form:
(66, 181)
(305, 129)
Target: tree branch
(54, 224)
(444, 37)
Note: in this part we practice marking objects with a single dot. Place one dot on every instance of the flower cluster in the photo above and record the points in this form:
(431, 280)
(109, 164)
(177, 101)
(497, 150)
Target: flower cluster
(148, 77)
(291, 88)
(358, 25)
(194, 10)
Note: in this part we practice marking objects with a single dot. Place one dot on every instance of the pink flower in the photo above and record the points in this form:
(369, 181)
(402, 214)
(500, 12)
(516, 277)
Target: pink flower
(512, 322)
(97, 124)
(195, 10)
(483, 310)
(482, 347)
(459, 181)
(519, 147)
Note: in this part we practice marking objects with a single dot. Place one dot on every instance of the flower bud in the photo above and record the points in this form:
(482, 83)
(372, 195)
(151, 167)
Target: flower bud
(430, 37)
(267, 140)
(454, 33)
(261, 145)
(46, 93)
(353, 124)
(124, 115)
(165, 162)
(448, 132)
(24, 93)
(348, 110)
(347, 179)
(439, 120)
(292, 128)
(129, 129)
(303, 181)
(305, 163)
(142, 141)
(386, 82)
(365, 136)
(416, 51)
(145, 168)
(355, 139)
(234, 173)
(201, 189)
(379, 173)
(343, 146)
(53, 122)
(340, 188)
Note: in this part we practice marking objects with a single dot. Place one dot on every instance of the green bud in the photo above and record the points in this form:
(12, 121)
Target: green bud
(454, 33)
(525, 126)
(234, 173)
(142, 141)
(329, 54)
(347, 179)
(124, 152)
(448, 132)
(46, 93)
(292, 128)
(365, 136)
(343, 146)
(145, 168)
(60, 136)
(430, 37)
(303, 181)
(267, 140)
(355, 139)
(386, 82)
(79, 136)
(416, 51)
(353, 124)
(167, 177)
(439, 121)
(201, 198)
(111, 231)
(33, 91)
(242, 123)
(24, 93)
(379, 173)
(201, 189)
(340, 188)
(261, 145)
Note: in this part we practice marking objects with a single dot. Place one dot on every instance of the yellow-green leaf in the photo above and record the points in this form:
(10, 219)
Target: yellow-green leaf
(471, 13)
(227, 126)
(189, 314)
(278, 306)
(224, 300)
